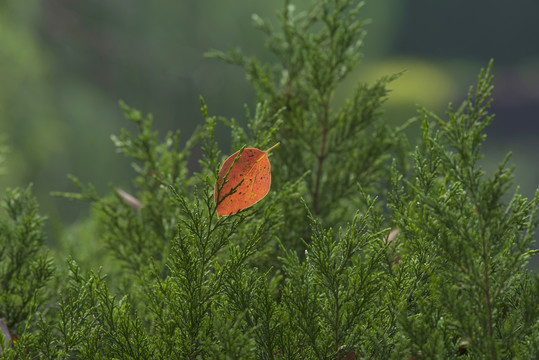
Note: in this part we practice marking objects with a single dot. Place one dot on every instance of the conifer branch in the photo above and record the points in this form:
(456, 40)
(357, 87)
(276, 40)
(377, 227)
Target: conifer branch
(321, 156)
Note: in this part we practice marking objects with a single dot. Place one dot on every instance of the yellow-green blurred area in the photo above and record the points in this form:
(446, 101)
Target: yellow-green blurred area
(64, 64)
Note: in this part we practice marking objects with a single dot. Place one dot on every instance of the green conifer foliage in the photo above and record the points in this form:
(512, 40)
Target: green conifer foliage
(333, 149)
(362, 249)
(25, 269)
(469, 245)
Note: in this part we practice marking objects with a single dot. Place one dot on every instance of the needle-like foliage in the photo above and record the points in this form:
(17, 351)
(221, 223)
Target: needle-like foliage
(362, 249)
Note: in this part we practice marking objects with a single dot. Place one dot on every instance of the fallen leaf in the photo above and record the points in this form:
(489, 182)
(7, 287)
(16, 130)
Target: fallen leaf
(390, 240)
(247, 181)
(130, 199)
(6, 333)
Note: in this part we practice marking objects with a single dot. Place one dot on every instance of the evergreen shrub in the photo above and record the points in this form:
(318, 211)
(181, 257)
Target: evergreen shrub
(365, 248)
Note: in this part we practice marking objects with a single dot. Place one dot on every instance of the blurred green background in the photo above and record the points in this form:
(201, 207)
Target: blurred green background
(64, 64)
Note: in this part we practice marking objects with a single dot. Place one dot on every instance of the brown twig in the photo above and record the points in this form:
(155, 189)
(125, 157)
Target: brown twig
(321, 157)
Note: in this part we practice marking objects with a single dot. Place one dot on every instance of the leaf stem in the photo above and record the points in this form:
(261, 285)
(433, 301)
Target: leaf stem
(271, 148)
(267, 151)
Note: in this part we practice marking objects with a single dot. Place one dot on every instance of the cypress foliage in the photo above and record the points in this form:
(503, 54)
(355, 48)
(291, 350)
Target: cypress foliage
(364, 248)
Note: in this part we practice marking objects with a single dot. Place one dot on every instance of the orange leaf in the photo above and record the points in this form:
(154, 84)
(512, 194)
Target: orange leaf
(249, 179)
